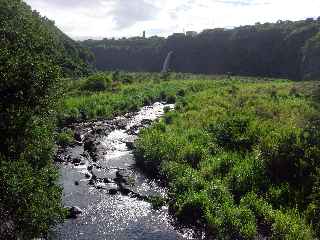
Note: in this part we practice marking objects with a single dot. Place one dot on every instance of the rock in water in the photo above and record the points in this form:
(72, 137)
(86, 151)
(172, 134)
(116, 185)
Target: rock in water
(74, 212)
(77, 136)
(130, 145)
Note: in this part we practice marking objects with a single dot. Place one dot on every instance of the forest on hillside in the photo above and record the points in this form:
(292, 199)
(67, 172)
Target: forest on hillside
(285, 49)
(34, 54)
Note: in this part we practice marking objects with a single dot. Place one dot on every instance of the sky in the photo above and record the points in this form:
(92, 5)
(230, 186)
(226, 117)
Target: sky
(97, 19)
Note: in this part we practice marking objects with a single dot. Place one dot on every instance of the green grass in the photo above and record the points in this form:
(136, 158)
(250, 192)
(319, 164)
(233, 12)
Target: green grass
(83, 101)
(241, 158)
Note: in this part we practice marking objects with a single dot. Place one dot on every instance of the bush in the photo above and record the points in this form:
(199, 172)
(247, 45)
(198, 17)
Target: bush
(29, 88)
(234, 133)
(153, 149)
(157, 202)
(219, 165)
(276, 223)
(289, 225)
(235, 172)
(193, 154)
(170, 99)
(186, 181)
(65, 137)
(31, 197)
(292, 157)
(193, 207)
(97, 82)
(248, 174)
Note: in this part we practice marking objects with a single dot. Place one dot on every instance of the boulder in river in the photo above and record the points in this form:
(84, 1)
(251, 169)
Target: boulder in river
(76, 160)
(130, 145)
(89, 144)
(145, 122)
(77, 136)
(124, 176)
(74, 212)
(113, 191)
(121, 123)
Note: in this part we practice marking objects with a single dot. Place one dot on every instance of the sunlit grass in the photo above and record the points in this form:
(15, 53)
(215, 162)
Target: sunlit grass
(237, 140)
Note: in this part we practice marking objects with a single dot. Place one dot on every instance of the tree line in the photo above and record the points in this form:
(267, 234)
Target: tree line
(286, 49)
(34, 55)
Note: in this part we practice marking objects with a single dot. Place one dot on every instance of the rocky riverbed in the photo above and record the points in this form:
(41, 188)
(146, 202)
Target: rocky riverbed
(107, 194)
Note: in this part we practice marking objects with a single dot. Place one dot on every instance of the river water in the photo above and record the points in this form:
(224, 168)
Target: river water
(111, 208)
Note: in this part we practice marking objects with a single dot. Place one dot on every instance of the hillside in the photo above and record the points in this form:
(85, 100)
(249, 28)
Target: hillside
(34, 54)
(284, 49)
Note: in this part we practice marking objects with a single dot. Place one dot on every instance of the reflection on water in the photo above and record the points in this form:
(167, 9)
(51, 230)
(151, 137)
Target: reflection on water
(117, 216)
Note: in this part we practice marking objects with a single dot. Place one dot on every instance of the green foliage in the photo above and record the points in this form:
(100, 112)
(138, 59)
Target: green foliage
(248, 174)
(97, 82)
(240, 158)
(91, 98)
(65, 137)
(157, 202)
(234, 133)
(277, 224)
(287, 49)
(31, 59)
(31, 197)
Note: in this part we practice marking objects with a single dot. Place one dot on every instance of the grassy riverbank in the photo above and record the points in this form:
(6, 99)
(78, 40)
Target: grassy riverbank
(239, 155)
(105, 95)
(241, 158)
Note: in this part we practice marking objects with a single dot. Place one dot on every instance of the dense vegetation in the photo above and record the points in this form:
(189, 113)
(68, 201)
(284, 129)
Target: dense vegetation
(33, 54)
(106, 95)
(284, 49)
(239, 155)
(241, 158)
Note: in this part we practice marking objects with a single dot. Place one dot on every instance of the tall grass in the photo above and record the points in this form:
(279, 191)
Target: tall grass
(96, 97)
(241, 157)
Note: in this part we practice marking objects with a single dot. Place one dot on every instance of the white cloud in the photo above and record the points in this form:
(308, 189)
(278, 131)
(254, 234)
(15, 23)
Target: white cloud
(118, 18)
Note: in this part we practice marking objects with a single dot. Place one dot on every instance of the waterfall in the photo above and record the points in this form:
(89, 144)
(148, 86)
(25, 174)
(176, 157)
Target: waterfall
(166, 63)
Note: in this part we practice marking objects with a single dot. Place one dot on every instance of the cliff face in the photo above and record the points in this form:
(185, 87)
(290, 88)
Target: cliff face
(311, 59)
(284, 49)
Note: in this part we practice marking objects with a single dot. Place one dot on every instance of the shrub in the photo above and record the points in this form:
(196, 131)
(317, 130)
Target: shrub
(248, 174)
(293, 157)
(234, 133)
(181, 92)
(166, 109)
(163, 96)
(277, 224)
(30, 55)
(279, 195)
(153, 149)
(97, 82)
(31, 197)
(289, 225)
(193, 207)
(186, 181)
(157, 202)
(231, 222)
(193, 154)
(219, 165)
(170, 99)
(65, 137)
(313, 210)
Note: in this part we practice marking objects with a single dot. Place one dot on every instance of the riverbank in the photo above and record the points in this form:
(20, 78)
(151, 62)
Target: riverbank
(113, 198)
(230, 154)
(241, 159)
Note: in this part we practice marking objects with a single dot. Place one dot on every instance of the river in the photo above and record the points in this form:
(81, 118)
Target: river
(98, 175)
